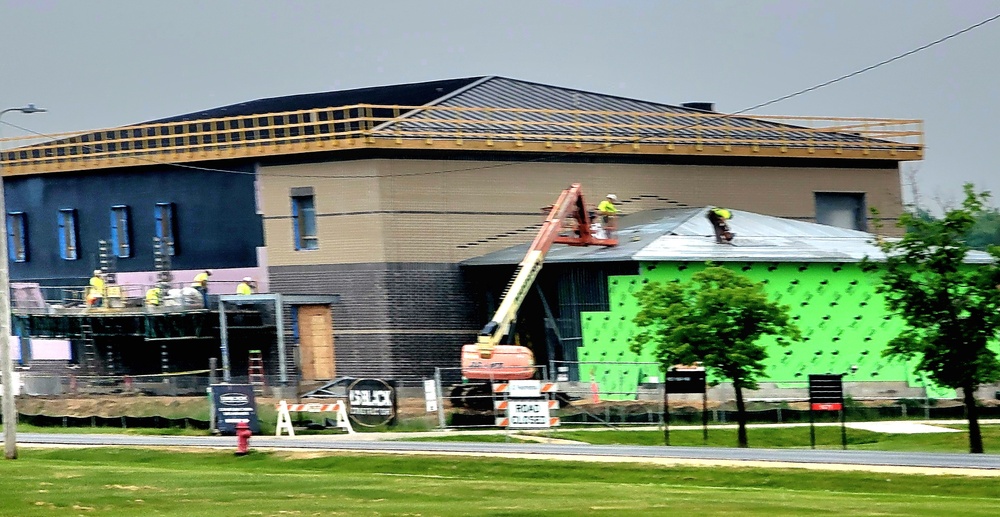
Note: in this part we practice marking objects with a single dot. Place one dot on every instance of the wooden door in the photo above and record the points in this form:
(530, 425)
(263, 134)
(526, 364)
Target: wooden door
(316, 343)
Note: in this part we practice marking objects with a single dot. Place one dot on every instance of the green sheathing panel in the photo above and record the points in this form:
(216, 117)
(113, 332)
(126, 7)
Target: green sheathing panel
(843, 321)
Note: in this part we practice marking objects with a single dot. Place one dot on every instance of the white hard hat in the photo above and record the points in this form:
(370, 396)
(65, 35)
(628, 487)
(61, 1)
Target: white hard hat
(247, 279)
(612, 197)
(97, 272)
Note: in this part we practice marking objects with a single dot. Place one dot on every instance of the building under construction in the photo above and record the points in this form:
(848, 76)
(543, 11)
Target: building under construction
(581, 315)
(368, 200)
(123, 334)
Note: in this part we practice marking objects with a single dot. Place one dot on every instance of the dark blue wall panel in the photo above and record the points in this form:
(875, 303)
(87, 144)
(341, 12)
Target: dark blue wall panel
(216, 221)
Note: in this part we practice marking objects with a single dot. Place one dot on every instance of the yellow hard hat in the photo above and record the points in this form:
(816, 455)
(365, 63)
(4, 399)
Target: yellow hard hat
(724, 213)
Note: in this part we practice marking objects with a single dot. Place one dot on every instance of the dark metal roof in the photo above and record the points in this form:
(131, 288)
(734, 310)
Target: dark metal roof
(501, 92)
(478, 109)
(412, 94)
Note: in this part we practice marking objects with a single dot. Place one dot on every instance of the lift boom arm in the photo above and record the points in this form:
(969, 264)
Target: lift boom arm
(569, 207)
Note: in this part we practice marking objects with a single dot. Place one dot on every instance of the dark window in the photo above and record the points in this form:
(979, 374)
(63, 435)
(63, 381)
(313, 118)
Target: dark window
(304, 222)
(842, 209)
(17, 237)
(67, 234)
(165, 227)
(120, 237)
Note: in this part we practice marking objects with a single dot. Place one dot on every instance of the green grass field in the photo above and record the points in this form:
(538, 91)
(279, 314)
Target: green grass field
(126, 482)
(785, 437)
(763, 438)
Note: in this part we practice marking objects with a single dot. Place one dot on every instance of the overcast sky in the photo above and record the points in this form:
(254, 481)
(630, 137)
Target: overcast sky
(102, 63)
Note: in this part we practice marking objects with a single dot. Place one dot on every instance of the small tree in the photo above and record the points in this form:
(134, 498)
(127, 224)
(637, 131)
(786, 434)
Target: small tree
(717, 319)
(951, 310)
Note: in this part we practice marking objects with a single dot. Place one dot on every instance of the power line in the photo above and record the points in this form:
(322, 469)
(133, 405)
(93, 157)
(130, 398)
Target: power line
(601, 147)
(871, 67)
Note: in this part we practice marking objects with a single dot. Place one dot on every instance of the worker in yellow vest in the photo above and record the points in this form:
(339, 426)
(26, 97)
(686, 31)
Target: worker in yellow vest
(95, 293)
(201, 284)
(154, 296)
(608, 212)
(719, 217)
(245, 287)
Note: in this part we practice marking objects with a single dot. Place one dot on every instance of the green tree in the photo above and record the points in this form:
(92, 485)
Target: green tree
(986, 231)
(951, 310)
(718, 319)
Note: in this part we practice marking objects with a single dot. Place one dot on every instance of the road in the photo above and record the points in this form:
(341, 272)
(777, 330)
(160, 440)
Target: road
(916, 462)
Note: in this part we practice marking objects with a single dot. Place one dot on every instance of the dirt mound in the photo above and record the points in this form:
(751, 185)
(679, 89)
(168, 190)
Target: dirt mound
(112, 406)
(170, 407)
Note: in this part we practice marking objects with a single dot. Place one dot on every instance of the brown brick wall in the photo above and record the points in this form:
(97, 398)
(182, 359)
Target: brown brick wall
(391, 233)
(413, 213)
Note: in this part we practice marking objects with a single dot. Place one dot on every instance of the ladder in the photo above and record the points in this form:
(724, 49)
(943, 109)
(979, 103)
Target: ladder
(162, 249)
(255, 372)
(107, 261)
(90, 360)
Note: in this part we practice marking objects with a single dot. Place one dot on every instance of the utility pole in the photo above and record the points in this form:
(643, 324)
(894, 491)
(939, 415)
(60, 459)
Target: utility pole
(6, 365)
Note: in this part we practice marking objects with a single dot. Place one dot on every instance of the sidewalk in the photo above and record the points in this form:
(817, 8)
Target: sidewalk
(549, 436)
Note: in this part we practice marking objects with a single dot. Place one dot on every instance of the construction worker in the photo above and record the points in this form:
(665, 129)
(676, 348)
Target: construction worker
(95, 293)
(608, 212)
(154, 296)
(718, 217)
(245, 287)
(201, 284)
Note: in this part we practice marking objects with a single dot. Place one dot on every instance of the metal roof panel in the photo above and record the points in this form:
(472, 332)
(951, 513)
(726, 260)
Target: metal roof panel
(502, 92)
(685, 235)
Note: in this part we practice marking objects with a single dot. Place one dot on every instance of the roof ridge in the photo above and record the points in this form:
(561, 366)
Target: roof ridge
(620, 97)
(700, 211)
(435, 102)
(482, 80)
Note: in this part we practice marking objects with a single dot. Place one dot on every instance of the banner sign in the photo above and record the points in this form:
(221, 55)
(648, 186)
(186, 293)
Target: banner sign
(826, 392)
(234, 403)
(685, 381)
(371, 402)
(430, 395)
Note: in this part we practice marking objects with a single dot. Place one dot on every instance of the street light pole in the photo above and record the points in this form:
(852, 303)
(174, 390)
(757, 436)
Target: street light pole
(6, 365)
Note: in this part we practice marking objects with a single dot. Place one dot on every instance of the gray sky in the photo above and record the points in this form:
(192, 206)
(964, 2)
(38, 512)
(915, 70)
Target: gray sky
(102, 63)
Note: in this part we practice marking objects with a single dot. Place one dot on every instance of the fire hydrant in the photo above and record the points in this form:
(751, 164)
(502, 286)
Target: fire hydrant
(242, 438)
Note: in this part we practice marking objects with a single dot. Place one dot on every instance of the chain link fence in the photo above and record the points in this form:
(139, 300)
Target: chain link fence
(631, 394)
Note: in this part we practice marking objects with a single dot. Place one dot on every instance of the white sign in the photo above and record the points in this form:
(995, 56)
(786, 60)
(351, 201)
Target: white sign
(430, 395)
(528, 414)
(524, 389)
(18, 384)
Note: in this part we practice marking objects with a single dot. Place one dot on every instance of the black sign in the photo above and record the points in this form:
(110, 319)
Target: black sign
(371, 402)
(685, 381)
(826, 392)
(234, 403)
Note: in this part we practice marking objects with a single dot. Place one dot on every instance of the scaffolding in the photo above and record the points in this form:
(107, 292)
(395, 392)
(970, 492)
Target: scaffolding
(131, 339)
(268, 305)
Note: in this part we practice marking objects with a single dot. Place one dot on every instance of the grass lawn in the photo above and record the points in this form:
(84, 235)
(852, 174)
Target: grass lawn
(769, 438)
(784, 437)
(128, 482)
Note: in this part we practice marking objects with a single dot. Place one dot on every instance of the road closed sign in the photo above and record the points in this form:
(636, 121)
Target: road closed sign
(528, 414)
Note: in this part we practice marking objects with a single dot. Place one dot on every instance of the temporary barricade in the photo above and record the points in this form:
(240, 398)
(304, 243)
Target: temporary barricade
(526, 404)
(285, 419)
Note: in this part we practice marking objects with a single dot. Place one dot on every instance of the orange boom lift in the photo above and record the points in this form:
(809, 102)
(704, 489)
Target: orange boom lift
(568, 222)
